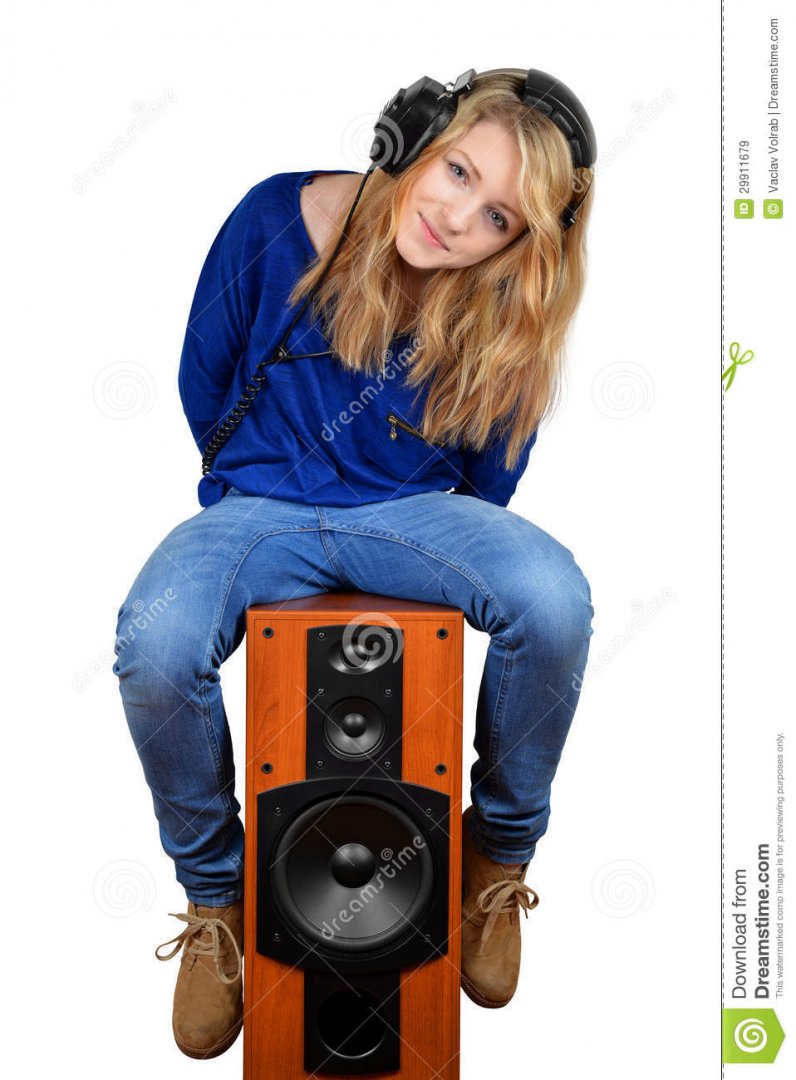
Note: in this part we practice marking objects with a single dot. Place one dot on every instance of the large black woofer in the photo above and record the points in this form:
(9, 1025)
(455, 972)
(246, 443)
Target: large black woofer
(356, 874)
(353, 873)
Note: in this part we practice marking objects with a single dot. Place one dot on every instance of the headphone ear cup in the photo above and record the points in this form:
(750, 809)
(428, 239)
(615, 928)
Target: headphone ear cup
(409, 121)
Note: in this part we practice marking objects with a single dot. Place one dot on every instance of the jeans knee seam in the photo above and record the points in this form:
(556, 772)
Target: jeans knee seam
(214, 749)
(494, 739)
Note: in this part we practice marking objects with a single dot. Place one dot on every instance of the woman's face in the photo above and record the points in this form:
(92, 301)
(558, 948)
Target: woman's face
(468, 198)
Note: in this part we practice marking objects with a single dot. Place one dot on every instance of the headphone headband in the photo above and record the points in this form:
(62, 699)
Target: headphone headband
(414, 117)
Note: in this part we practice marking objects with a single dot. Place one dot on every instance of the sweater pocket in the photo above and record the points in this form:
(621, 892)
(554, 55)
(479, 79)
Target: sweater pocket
(398, 450)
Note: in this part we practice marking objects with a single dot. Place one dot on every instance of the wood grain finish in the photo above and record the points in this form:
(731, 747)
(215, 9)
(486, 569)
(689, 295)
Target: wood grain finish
(273, 1030)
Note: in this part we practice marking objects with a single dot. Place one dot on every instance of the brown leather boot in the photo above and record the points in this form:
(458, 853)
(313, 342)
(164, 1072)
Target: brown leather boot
(491, 900)
(208, 998)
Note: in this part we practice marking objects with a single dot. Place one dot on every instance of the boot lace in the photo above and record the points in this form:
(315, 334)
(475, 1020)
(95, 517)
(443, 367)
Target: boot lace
(501, 898)
(199, 947)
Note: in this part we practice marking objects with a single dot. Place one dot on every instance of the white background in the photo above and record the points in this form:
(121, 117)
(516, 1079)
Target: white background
(620, 968)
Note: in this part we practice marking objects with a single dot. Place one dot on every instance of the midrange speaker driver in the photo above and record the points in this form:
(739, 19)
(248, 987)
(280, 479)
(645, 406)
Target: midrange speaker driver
(354, 727)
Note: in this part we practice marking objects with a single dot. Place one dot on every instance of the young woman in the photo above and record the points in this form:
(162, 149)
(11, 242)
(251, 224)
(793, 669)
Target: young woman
(381, 458)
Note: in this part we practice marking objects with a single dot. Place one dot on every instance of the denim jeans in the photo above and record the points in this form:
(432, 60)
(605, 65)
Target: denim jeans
(186, 613)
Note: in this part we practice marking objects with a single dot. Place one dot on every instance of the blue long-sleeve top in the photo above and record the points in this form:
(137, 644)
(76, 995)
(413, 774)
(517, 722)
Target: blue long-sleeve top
(316, 433)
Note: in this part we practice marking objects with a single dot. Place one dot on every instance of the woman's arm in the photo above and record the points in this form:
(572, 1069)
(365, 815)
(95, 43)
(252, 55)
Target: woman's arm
(220, 318)
(485, 476)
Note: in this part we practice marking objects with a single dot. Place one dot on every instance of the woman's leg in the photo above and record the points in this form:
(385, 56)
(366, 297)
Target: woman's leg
(518, 584)
(184, 615)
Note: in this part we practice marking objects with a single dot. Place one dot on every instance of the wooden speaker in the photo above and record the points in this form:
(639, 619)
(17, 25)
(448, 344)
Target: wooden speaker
(353, 838)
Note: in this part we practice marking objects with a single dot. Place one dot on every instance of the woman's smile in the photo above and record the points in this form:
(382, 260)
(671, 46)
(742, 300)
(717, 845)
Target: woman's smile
(431, 236)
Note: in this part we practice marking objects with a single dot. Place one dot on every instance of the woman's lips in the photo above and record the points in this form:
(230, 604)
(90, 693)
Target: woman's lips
(430, 236)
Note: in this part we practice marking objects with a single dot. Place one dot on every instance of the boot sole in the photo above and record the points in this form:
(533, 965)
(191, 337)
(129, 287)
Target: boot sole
(478, 998)
(213, 1051)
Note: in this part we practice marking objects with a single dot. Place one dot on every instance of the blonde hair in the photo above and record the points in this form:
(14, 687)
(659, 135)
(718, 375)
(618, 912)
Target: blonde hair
(489, 338)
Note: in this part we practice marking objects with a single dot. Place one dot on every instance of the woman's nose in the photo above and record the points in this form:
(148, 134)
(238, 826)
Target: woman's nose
(451, 221)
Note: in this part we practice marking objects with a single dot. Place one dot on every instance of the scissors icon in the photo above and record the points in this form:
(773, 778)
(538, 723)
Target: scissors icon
(735, 350)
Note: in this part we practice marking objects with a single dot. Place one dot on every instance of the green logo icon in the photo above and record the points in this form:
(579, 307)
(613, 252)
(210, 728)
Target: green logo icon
(744, 208)
(750, 1036)
(737, 360)
(772, 208)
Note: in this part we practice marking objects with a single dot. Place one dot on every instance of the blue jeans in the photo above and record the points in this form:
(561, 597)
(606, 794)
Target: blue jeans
(186, 613)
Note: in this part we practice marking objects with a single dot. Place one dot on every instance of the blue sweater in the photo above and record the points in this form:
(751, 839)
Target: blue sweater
(316, 433)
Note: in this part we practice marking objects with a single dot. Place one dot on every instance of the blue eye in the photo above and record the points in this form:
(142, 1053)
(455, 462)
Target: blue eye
(502, 225)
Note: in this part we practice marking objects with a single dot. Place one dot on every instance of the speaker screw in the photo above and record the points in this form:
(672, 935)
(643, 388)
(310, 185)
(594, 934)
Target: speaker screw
(442, 632)
(321, 633)
(320, 690)
(428, 810)
(267, 767)
(319, 764)
(268, 631)
(278, 936)
(277, 809)
(387, 764)
(428, 937)
(440, 768)
(388, 692)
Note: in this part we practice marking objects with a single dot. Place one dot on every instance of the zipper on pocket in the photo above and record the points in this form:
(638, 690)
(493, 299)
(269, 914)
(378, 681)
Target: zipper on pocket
(396, 421)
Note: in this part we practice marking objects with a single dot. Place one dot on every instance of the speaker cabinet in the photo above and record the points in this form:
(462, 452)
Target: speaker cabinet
(353, 838)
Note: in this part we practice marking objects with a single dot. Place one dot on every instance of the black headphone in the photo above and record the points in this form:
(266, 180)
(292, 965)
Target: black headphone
(409, 121)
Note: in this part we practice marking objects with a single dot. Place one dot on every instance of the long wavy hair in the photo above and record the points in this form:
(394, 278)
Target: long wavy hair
(489, 338)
